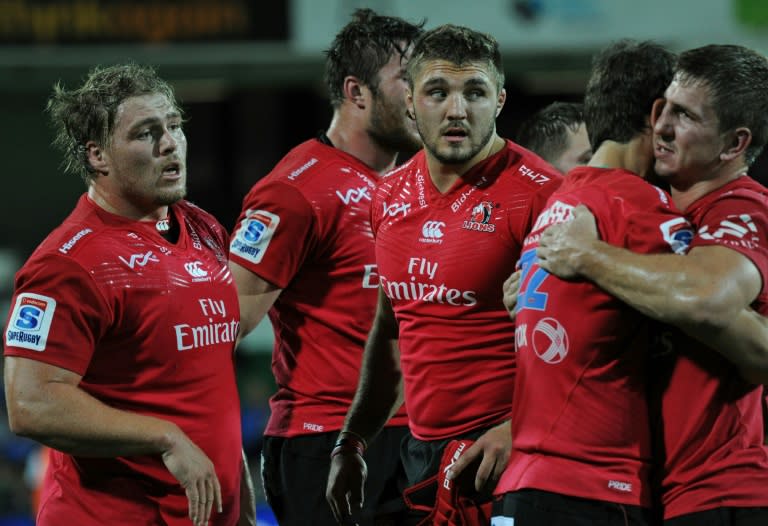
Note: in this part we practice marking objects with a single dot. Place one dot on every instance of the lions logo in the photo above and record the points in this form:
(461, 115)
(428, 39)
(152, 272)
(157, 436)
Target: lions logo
(480, 218)
(481, 213)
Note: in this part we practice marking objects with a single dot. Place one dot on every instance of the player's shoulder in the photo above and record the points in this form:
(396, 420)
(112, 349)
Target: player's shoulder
(83, 229)
(198, 216)
(743, 195)
(617, 183)
(746, 187)
(527, 171)
(313, 162)
(403, 173)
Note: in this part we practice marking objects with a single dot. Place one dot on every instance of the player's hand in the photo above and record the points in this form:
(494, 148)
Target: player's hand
(562, 245)
(344, 490)
(510, 288)
(494, 447)
(196, 474)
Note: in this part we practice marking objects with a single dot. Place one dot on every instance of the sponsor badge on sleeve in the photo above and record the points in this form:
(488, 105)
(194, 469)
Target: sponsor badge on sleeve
(254, 234)
(30, 321)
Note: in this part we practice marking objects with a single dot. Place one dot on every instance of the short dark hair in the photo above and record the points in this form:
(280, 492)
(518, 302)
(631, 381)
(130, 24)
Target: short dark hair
(546, 131)
(458, 45)
(363, 47)
(88, 113)
(737, 79)
(627, 77)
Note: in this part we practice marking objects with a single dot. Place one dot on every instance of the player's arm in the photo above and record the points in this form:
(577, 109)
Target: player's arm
(247, 496)
(704, 293)
(379, 395)
(256, 296)
(45, 403)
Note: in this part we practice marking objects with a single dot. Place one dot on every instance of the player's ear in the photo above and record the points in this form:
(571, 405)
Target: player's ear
(409, 104)
(500, 101)
(737, 142)
(354, 91)
(96, 157)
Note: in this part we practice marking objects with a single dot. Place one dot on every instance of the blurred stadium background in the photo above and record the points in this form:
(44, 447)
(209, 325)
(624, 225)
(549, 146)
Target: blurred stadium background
(249, 75)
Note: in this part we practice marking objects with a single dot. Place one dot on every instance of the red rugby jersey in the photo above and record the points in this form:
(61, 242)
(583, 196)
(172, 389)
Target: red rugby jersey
(442, 261)
(712, 424)
(580, 418)
(151, 327)
(306, 228)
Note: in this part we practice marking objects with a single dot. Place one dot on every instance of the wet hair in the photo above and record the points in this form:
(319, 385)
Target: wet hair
(627, 77)
(363, 47)
(546, 131)
(88, 113)
(737, 80)
(458, 45)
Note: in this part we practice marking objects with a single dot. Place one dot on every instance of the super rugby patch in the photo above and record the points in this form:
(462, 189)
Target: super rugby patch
(254, 234)
(30, 322)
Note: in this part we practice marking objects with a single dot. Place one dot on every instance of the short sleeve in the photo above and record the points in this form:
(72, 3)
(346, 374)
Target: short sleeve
(274, 233)
(652, 224)
(57, 314)
(740, 222)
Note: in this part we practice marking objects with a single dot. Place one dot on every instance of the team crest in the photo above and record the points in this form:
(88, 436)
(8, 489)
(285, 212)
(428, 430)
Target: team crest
(480, 218)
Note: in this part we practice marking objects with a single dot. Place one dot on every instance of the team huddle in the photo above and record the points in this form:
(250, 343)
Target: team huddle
(466, 332)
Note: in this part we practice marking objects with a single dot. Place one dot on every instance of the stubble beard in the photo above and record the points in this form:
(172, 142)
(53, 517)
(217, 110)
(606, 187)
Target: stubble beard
(389, 129)
(455, 155)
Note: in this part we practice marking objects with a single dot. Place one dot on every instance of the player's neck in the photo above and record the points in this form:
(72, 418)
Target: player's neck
(114, 204)
(634, 156)
(444, 176)
(350, 136)
(685, 192)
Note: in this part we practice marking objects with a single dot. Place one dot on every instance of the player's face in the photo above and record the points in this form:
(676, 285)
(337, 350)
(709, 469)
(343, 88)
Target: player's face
(687, 140)
(146, 160)
(455, 109)
(577, 150)
(389, 125)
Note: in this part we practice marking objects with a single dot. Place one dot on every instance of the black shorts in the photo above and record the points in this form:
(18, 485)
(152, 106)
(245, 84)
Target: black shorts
(294, 473)
(532, 507)
(722, 517)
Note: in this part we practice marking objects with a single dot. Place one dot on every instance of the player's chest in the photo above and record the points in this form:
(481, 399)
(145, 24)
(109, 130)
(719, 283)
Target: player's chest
(464, 250)
(137, 265)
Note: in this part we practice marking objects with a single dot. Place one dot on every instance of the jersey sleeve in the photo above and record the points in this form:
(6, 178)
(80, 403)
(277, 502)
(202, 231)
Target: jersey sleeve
(651, 224)
(739, 222)
(274, 233)
(57, 314)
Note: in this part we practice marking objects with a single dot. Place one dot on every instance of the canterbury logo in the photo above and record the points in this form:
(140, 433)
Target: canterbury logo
(140, 259)
(194, 269)
(396, 208)
(354, 195)
(433, 229)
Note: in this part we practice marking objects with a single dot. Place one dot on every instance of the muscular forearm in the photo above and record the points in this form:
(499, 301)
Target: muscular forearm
(379, 393)
(665, 287)
(66, 418)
